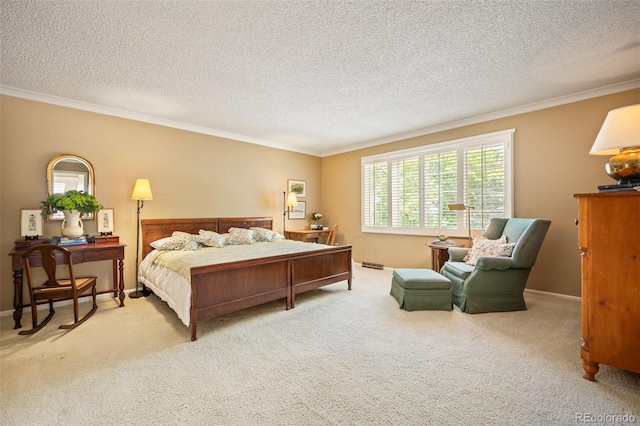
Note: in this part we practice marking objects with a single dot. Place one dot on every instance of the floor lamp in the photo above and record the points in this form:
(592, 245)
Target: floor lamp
(468, 209)
(289, 201)
(141, 192)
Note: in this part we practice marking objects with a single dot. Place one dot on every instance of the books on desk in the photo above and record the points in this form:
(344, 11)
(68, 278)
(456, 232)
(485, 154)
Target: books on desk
(65, 241)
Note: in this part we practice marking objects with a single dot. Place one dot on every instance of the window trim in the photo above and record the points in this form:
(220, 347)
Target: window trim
(505, 137)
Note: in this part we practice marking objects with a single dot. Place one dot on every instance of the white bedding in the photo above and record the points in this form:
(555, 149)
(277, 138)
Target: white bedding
(167, 272)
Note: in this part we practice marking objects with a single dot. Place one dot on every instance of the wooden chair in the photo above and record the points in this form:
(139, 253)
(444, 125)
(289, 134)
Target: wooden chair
(55, 289)
(331, 238)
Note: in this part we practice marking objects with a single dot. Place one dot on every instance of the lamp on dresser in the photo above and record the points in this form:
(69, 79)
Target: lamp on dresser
(141, 193)
(289, 201)
(620, 137)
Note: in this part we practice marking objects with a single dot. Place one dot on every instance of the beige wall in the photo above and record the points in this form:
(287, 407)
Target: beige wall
(192, 175)
(551, 163)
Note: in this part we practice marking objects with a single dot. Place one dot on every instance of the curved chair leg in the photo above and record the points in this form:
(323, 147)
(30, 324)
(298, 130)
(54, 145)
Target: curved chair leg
(34, 316)
(84, 318)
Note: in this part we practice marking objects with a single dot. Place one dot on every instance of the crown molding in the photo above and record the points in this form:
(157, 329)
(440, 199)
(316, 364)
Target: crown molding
(562, 100)
(114, 112)
(98, 109)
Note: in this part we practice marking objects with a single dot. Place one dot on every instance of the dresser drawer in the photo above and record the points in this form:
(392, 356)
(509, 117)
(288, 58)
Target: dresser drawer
(105, 254)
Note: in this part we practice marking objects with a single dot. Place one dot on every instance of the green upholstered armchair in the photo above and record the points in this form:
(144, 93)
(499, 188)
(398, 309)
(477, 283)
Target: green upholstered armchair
(496, 284)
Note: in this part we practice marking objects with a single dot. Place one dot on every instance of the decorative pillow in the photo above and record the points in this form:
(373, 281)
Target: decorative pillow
(181, 241)
(485, 247)
(483, 240)
(262, 234)
(240, 236)
(210, 238)
(161, 241)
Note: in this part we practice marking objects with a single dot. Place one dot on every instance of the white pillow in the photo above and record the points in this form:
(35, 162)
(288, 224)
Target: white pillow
(180, 241)
(240, 236)
(157, 243)
(210, 238)
(262, 234)
(482, 246)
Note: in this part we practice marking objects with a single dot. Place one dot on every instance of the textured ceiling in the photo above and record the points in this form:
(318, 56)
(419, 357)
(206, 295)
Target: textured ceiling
(315, 76)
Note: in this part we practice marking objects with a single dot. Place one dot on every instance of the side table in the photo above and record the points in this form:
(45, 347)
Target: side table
(440, 254)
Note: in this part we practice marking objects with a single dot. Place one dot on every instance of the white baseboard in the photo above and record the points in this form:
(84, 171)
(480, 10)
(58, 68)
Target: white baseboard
(556, 295)
(27, 309)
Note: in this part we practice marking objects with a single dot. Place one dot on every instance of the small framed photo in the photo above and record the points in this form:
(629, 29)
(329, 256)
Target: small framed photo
(105, 222)
(31, 223)
(299, 187)
(299, 211)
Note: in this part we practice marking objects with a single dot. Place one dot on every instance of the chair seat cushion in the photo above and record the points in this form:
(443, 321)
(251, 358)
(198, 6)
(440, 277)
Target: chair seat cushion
(421, 279)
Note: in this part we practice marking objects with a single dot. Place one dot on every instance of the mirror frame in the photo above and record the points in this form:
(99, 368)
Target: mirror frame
(91, 186)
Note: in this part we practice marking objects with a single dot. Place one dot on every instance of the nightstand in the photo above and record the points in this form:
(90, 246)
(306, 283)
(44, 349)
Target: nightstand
(440, 254)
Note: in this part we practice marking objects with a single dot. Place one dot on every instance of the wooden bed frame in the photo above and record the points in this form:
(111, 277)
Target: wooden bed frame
(229, 287)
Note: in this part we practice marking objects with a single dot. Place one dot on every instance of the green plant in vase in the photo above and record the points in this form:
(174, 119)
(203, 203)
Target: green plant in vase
(72, 203)
(70, 200)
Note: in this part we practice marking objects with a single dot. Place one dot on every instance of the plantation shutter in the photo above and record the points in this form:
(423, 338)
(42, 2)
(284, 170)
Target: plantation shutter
(408, 191)
(484, 183)
(375, 194)
(405, 190)
(440, 189)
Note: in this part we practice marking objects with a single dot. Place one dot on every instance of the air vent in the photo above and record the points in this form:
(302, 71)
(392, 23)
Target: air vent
(372, 265)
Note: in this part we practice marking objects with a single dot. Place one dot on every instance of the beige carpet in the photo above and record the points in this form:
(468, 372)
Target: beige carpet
(338, 358)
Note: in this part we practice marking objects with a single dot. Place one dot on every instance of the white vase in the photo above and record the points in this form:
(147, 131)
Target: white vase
(72, 225)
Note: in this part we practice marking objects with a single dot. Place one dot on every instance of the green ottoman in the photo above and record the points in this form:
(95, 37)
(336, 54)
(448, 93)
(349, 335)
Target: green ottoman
(421, 289)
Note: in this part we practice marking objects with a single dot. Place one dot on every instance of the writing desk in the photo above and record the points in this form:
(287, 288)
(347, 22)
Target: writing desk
(306, 235)
(81, 253)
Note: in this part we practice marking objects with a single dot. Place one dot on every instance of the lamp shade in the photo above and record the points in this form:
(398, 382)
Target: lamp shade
(621, 129)
(292, 200)
(142, 190)
(456, 207)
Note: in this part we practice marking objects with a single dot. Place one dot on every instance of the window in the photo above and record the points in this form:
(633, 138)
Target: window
(407, 192)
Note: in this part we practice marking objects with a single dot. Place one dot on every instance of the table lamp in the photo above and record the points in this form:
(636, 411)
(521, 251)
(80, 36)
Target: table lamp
(620, 137)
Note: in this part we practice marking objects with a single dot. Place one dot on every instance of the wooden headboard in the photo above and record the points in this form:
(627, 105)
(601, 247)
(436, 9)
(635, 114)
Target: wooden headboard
(154, 229)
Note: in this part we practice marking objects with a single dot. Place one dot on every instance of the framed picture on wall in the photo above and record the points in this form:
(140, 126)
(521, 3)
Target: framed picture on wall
(299, 211)
(31, 223)
(105, 222)
(298, 187)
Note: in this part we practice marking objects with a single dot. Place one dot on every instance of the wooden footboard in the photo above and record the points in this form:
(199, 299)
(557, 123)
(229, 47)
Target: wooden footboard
(221, 289)
(319, 269)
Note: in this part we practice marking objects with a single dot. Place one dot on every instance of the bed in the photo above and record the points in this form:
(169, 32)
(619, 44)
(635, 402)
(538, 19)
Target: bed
(236, 283)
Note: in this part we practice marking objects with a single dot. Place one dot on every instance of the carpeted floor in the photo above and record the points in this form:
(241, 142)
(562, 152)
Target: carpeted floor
(339, 358)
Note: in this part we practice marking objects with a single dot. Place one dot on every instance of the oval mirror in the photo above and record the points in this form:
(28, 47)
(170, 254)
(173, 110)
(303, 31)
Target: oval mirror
(66, 172)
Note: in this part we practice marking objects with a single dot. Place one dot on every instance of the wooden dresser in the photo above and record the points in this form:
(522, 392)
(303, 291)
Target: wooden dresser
(609, 241)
